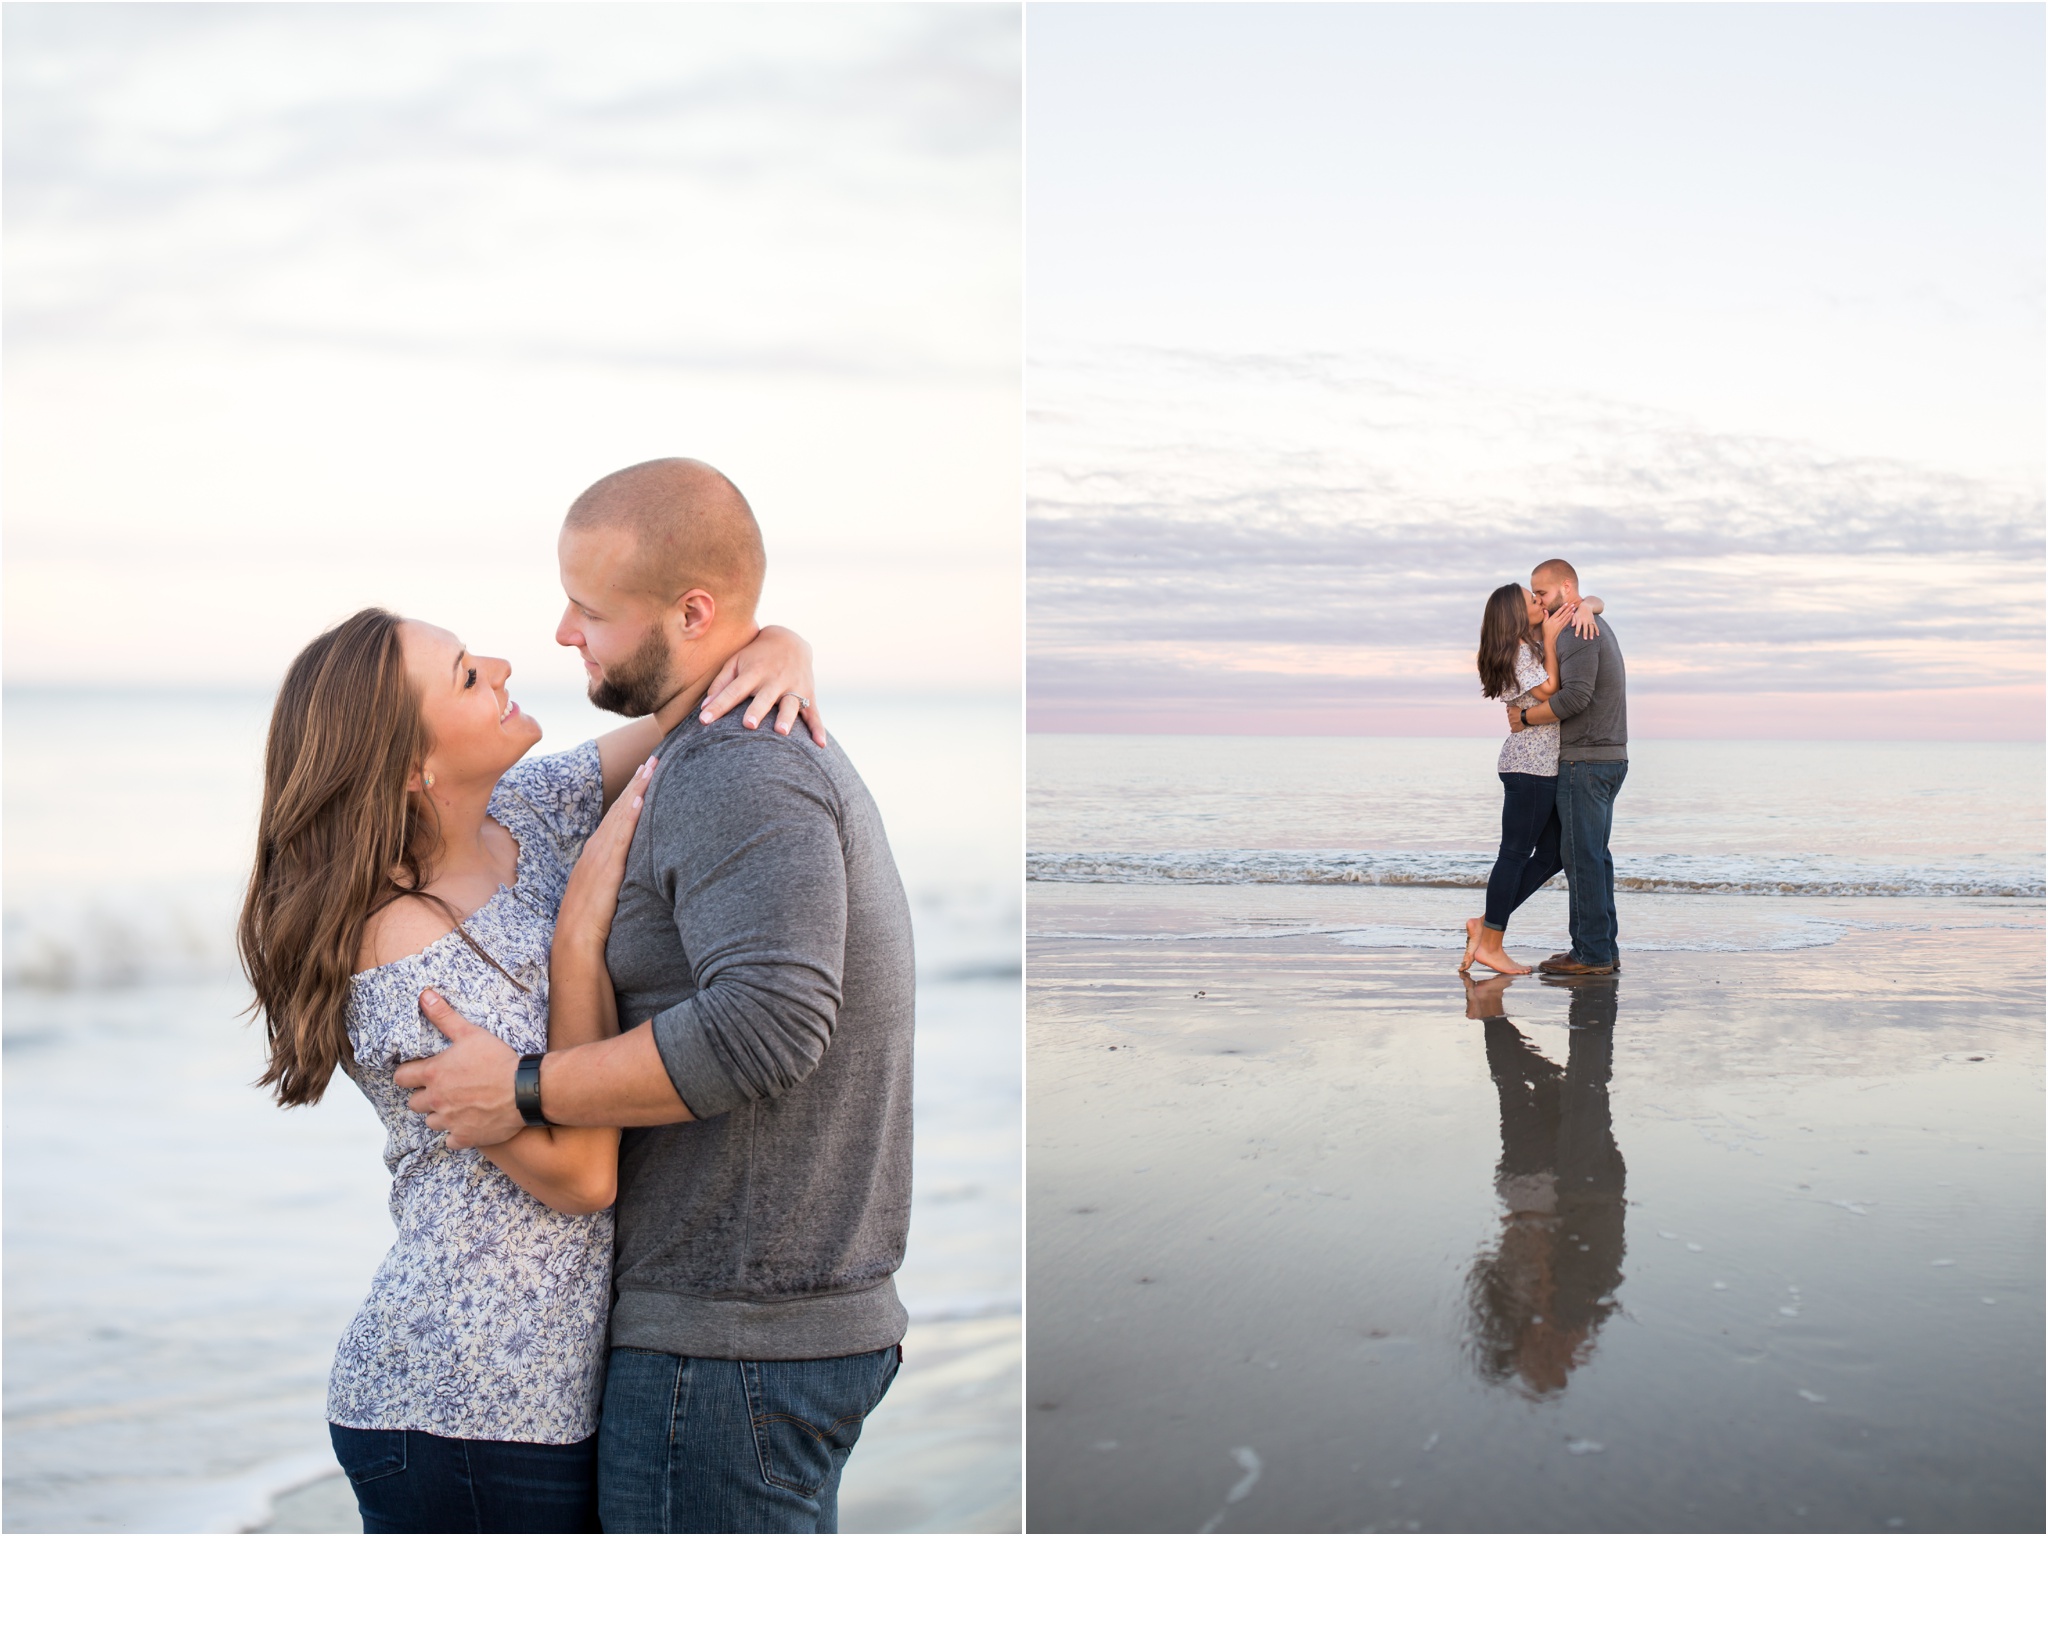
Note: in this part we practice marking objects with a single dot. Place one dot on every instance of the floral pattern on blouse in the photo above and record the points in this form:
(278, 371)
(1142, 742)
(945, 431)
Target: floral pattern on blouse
(1534, 749)
(488, 1316)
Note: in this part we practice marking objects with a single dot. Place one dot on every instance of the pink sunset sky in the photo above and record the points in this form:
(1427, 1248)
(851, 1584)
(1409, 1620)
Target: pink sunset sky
(1340, 317)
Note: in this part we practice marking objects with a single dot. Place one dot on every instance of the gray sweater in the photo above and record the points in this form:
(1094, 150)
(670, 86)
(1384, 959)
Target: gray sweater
(763, 927)
(1592, 697)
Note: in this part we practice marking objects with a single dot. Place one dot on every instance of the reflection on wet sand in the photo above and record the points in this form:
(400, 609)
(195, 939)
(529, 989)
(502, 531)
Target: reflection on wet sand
(1255, 1222)
(1537, 1296)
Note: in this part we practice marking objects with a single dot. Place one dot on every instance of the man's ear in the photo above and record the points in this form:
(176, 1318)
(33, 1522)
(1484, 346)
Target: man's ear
(692, 614)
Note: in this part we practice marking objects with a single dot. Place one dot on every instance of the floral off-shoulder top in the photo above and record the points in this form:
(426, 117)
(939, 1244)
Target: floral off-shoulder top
(1534, 749)
(488, 1317)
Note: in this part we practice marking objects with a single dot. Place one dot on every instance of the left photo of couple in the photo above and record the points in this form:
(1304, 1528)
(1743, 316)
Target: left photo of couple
(517, 509)
(702, 941)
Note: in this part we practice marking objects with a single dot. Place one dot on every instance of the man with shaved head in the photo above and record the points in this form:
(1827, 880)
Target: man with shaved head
(761, 960)
(654, 531)
(1592, 760)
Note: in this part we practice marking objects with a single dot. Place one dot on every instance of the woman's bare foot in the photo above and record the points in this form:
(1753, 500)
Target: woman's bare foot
(1472, 929)
(1488, 953)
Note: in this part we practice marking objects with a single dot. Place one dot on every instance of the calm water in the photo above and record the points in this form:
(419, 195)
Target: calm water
(1748, 1238)
(181, 1256)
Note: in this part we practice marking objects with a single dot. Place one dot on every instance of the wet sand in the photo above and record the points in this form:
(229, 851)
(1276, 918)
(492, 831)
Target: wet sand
(1730, 1242)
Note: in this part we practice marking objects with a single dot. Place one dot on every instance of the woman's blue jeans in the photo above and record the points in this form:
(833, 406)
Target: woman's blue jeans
(714, 1446)
(412, 1482)
(1531, 845)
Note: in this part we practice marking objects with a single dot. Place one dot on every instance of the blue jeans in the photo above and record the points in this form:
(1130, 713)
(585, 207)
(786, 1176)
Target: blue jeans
(713, 1446)
(1585, 807)
(412, 1482)
(1529, 845)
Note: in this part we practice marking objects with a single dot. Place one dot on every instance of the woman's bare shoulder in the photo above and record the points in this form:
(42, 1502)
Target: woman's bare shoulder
(404, 926)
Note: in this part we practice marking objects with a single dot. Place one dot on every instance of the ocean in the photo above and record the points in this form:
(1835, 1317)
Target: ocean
(181, 1255)
(1746, 819)
(1387, 842)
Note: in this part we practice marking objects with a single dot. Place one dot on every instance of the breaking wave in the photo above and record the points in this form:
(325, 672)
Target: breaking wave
(142, 934)
(1734, 876)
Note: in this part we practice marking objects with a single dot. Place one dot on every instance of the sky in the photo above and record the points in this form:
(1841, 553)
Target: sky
(315, 306)
(1340, 316)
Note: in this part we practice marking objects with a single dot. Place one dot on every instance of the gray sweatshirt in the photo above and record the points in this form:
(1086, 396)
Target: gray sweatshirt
(1592, 697)
(762, 926)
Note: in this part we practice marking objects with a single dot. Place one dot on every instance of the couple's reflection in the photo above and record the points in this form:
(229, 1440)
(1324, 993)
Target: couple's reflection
(1538, 1295)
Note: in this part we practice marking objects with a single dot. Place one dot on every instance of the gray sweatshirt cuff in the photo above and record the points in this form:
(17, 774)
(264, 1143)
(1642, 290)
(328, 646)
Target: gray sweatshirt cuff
(700, 1079)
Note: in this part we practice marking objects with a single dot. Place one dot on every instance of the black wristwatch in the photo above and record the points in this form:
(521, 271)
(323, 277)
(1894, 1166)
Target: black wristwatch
(526, 1090)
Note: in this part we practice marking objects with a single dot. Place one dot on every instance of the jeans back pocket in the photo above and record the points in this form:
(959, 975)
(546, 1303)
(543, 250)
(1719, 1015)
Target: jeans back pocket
(367, 1454)
(807, 1415)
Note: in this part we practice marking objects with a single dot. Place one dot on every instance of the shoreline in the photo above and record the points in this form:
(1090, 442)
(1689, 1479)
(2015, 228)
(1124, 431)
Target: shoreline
(1433, 917)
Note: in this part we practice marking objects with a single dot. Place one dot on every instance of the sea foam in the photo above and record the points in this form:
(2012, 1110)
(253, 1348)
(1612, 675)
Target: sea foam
(1742, 876)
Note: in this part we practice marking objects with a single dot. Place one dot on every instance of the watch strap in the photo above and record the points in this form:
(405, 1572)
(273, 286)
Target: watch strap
(526, 1090)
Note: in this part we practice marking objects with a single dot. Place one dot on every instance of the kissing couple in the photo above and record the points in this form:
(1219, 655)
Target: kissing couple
(637, 1019)
(1545, 653)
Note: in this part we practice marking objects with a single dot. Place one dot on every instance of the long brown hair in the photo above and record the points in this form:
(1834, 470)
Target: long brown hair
(1503, 633)
(339, 837)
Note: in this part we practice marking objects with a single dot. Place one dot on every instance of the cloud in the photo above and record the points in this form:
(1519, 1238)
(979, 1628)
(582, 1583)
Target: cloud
(1189, 509)
(470, 173)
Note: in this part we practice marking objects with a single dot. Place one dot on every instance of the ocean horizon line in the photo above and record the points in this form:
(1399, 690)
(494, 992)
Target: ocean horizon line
(1030, 732)
(44, 690)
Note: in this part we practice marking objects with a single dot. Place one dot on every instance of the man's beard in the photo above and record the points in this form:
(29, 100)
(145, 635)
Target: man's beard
(639, 685)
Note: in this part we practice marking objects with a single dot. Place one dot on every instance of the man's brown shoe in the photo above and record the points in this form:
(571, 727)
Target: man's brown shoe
(1563, 965)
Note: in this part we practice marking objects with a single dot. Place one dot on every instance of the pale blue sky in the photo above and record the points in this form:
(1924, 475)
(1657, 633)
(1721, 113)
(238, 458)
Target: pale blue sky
(1339, 310)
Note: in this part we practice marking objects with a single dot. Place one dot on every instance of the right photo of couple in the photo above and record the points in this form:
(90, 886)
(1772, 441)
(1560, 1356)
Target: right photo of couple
(1501, 698)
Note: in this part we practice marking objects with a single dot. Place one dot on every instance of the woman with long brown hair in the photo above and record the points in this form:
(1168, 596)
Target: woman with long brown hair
(406, 843)
(1518, 664)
